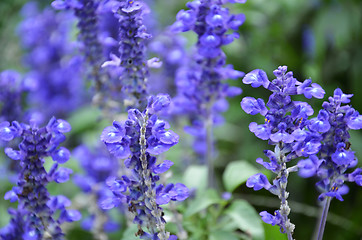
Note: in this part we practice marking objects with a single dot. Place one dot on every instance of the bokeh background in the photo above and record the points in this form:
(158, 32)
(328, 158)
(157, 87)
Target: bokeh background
(316, 39)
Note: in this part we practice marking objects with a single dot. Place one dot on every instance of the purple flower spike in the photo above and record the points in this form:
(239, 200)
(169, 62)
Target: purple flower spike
(144, 135)
(53, 79)
(201, 87)
(287, 127)
(129, 68)
(333, 124)
(35, 204)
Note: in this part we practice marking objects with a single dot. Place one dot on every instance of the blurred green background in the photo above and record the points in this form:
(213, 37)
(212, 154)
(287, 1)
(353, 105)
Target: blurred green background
(316, 39)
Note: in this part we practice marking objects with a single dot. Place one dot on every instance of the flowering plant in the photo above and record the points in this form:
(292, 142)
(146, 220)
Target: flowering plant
(118, 120)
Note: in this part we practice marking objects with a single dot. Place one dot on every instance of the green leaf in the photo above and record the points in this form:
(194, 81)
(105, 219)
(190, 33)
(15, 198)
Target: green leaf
(196, 177)
(236, 173)
(84, 118)
(203, 201)
(247, 218)
(129, 234)
(218, 235)
(273, 232)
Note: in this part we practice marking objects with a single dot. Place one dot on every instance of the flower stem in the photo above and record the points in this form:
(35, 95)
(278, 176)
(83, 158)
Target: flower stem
(150, 194)
(210, 153)
(323, 220)
(284, 206)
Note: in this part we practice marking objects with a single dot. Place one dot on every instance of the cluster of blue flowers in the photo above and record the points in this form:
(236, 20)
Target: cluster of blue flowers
(284, 126)
(137, 140)
(130, 66)
(323, 140)
(35, 216)
(53, 66)
(85, 11)
(125, 172)
(335, 156)
(201, 90)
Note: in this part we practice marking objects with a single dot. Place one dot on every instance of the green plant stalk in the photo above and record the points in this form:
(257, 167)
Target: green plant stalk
(322, 223)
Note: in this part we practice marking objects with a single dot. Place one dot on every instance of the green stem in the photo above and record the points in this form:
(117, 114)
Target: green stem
(323, 220)
(210, 153)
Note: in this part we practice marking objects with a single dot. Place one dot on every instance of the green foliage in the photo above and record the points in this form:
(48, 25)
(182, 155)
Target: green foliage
(129, 233)
(203, 201)
(271, 36)
(236, 173)
(195, 176)
(247, 219)
(273, 232)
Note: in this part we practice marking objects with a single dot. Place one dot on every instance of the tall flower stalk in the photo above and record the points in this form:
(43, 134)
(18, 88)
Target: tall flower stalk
(131, 66)
(284, 127)
(35, 202)
(201, 90)
(138, 140)
(53, 67)
(335, 157)
(86, 12)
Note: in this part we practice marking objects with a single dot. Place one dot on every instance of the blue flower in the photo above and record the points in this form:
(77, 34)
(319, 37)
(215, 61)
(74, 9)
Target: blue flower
(258, 181)
(256, 78)
(271, 219)
(341, 156)
(253, 106)
(308, 167)
(321, 123)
